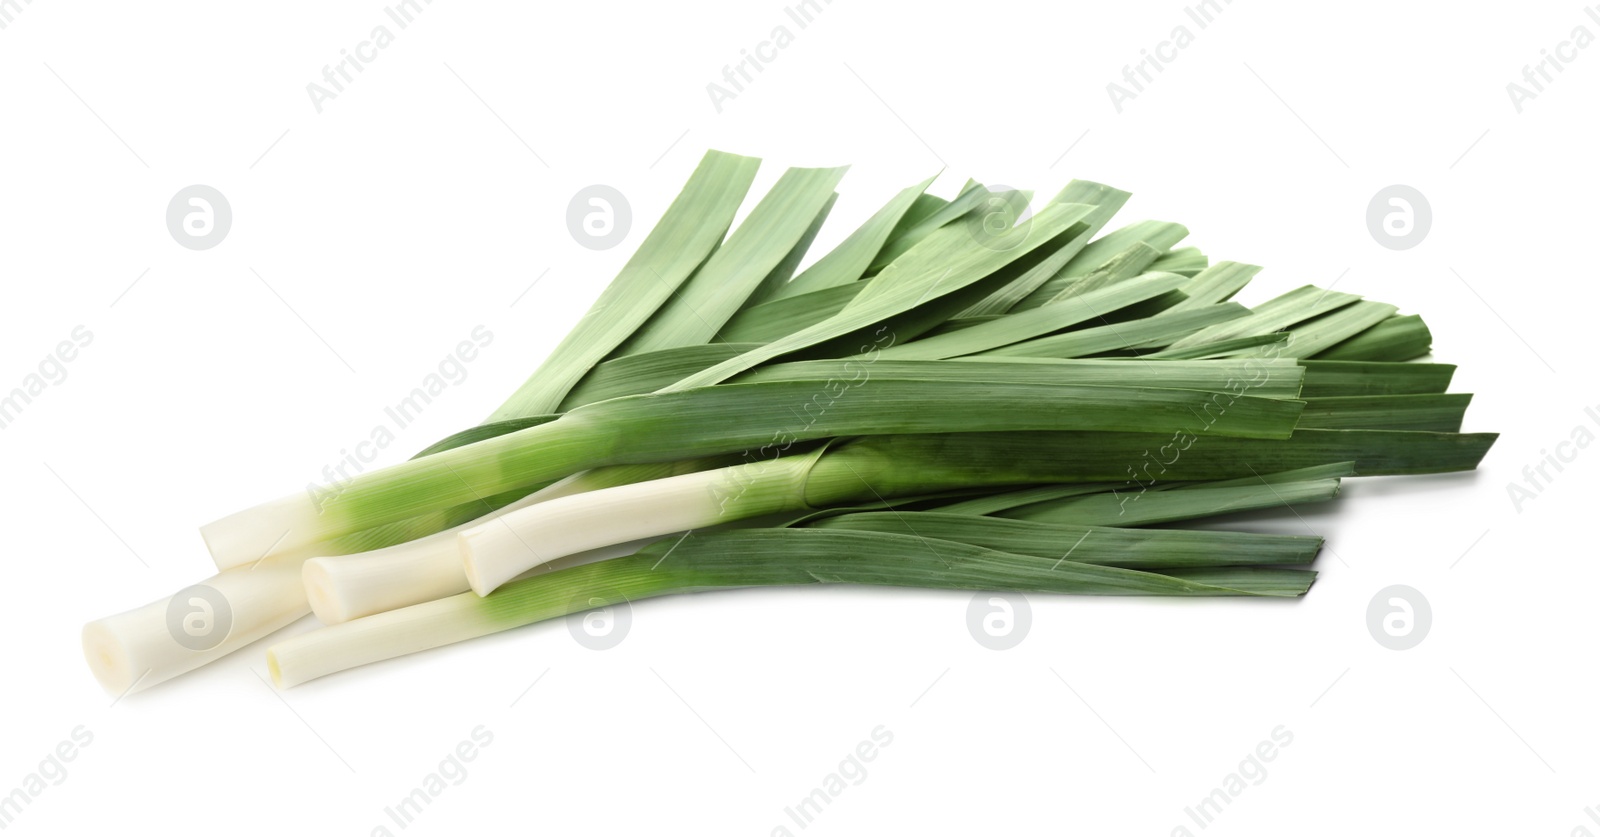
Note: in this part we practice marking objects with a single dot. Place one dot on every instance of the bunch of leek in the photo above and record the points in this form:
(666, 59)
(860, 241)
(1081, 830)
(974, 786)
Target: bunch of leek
(947, 399)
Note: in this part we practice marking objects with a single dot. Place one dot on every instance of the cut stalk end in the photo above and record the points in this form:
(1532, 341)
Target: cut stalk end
(140, 648)
(323, 593)
(281, 526)
(478, 578)
(107, 658)
(275, 671)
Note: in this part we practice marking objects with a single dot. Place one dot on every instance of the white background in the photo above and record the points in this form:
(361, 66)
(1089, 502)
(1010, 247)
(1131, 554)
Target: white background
(431, 195)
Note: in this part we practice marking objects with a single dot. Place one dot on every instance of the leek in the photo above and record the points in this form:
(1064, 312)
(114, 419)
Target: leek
(743, 558)
(928, 404)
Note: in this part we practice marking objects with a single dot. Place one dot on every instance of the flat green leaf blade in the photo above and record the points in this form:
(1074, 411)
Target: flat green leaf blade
(1225, 348)
(1333, 378)
(946, 262)
(1040, 496)
(1046, 319)
(648, 372)
(1275, 314)
(1106, 202)
(769, 321)
(1000, 501)
(1123, 266)
(894, 465)
(921, 210)
(901, 241)
(849, 261)
(1441, 412)
(689, 230)
(1188, 261)
(939, 314)
(780, 276)
(959, 323)
(1266, 378)
(1143, 458)
(1136, 503)
(1328, 330)
(810, 555)
(1217, 283)
(1131, 506)
(711, 296)
(1001, 299)
(1260, 581)
(1158, 330)
(1156, 549)
(1394, 339)
(1159, 235)
(1330, 471)
(731, 416)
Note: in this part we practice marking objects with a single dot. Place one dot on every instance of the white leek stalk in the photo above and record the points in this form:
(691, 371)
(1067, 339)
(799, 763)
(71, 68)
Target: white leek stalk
(496, 551)
(345, 587)
(379, 637)
(137, 649)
